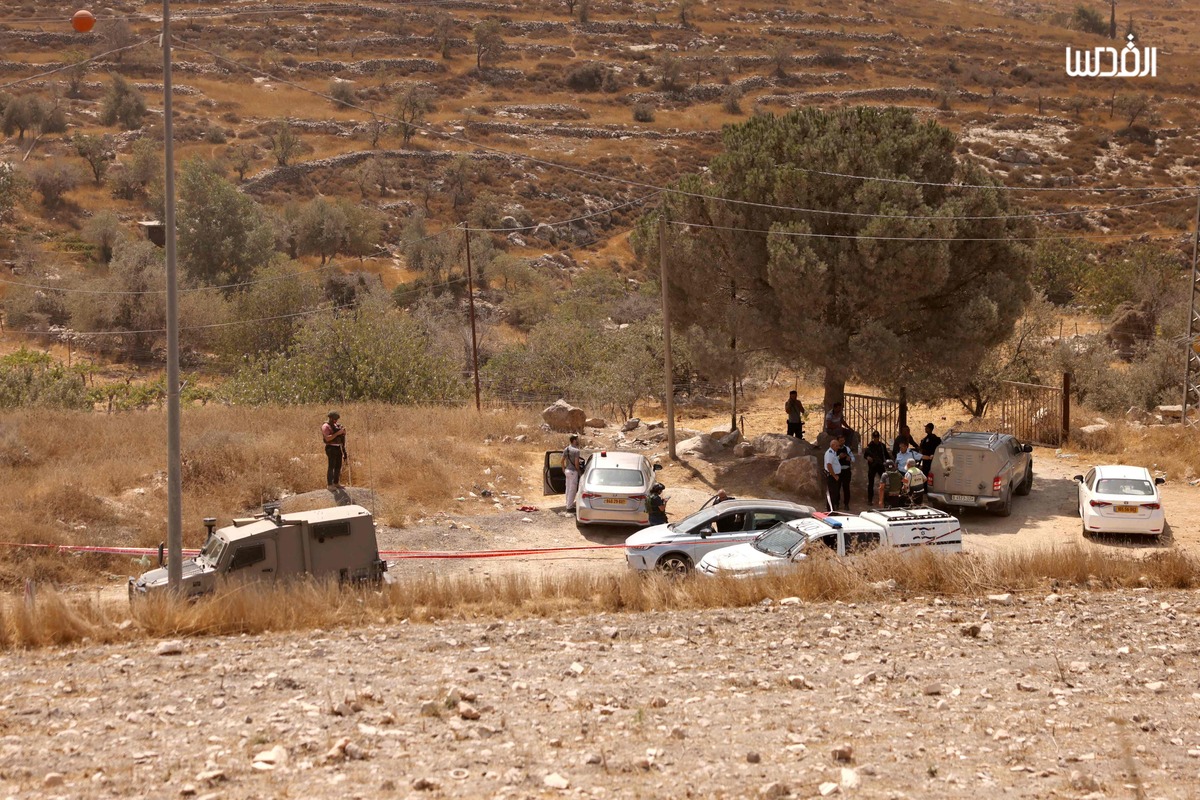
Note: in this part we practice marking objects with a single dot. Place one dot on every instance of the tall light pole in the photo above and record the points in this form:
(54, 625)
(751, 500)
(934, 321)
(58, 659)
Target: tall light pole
(174, 469)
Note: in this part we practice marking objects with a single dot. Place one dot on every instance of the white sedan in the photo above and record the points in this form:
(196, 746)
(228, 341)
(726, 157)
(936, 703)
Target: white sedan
(674, 548)
(1119, 499)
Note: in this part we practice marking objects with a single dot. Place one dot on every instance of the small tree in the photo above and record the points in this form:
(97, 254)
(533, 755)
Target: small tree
(123, 105)
(285, 143)
(1131, 106)
(457, 178)
(21, 114)
(137, 173)
(119, 35)
(77, 73)
(672, 73)
(1089, 20)
(443, 32)
(104, 231)
(686, 7)
(343, 93)
(53, 180)
(242, 158)
(224, 236)
(97, 151)
(11, 189)
(413, 102)
(781, 58)
(489, 43)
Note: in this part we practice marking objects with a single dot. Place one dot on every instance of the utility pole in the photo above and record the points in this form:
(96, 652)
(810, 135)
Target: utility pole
(471, 305)
(174, 468)
(668, 367)
(1191, 360)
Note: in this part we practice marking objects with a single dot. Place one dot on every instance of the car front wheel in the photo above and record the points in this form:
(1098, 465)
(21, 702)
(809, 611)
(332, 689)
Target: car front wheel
(675, 565)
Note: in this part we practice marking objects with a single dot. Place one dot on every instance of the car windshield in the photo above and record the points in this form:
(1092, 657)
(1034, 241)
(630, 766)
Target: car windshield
(213, 549)
(1126, 486)
(625, 478)
(696, 521)
(778, 541)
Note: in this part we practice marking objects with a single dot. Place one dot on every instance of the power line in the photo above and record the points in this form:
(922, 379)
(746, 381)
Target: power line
(810, 235)
(221, 13)
(670, 190)
(94, 58)
(635, 201)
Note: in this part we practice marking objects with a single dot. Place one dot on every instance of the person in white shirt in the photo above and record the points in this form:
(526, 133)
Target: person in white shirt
(833, 468)
(906, 455)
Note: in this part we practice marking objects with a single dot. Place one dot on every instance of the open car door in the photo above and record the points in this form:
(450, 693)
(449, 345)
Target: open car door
(553, 479)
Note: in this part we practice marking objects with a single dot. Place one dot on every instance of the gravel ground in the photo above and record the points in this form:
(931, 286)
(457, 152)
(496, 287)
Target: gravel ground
(1079, 695)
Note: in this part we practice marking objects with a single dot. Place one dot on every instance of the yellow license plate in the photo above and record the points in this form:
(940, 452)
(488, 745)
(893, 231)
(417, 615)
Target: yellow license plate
(1125, 509)
(614, 501)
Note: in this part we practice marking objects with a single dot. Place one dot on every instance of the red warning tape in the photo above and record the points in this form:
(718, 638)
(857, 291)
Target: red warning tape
(392, 554)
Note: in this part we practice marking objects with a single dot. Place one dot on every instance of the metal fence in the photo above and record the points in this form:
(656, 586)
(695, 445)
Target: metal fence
(1032, 412)
(865, 413)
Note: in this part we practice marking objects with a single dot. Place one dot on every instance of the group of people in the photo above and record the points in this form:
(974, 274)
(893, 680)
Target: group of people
(902, 472)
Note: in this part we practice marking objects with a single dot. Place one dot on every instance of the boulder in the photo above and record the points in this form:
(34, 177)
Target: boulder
(630, 424)
(697, 447)
(1170, 413)
(800, 476)
(1140, 415)
(721, 431)
(730, 439)
(781, 446)
(596, 422)
(564, 417)
(743, 450)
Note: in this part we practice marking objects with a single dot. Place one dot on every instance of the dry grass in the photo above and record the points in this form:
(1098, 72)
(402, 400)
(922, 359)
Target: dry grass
(100, 479)
(1159, 448)
(51, 619)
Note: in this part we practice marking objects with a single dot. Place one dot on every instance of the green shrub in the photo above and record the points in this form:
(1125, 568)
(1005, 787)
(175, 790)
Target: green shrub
(643, 112)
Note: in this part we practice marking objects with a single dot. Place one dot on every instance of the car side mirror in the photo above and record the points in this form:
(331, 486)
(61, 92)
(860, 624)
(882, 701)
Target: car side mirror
(1027, 448)
(706, 531)
(1159, 481)
(1078, 478)
(657, 467)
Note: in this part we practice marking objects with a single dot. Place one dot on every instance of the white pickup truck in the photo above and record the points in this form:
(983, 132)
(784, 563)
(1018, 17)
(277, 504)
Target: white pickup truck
(789, 543)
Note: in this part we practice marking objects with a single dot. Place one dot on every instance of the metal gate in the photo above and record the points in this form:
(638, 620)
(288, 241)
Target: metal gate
(1032, 412)
(865, 413)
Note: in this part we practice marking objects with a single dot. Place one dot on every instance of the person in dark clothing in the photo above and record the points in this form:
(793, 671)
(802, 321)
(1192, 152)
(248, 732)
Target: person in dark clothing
(891, 486)
(877, 456)
(795, 415)
(905, 435)
(846, 457)
(333, 435)
(928, 445)
(656, 505)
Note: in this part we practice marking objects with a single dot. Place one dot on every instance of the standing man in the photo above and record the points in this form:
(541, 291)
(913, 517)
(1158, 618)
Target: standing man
(572, 465)
(333, 435)
(795, 415)
(656, 505)
(914, 483)
(928, 445)
(905, 455)
(877, 457)
(833, 469)
(847, 458)
(891, 486)
(904, 436)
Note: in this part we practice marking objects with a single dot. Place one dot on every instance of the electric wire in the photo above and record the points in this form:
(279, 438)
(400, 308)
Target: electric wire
(186, 45)
(811, 235)
(321, 8)
(66, 67)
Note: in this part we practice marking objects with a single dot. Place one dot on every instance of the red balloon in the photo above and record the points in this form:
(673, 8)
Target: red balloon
(83, 21)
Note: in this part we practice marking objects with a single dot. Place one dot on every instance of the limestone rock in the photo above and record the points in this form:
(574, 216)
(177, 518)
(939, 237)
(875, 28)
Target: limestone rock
(596, 422)
(800, 476)
(781, 446)
(630, 424)
(743, 450)
(730, 439)
(697, 447)
(564, 417)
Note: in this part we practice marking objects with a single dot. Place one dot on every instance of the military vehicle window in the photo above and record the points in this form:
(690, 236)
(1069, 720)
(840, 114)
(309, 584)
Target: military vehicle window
(248, 556)
(861, 540)
(328, 530)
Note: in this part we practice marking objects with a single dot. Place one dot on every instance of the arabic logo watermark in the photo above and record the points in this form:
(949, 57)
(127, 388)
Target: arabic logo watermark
(1130, 62)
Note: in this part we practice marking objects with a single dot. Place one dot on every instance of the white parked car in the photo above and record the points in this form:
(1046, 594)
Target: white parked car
(789, 543)
(1120, 499)
(612, 487)
(677, 546)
